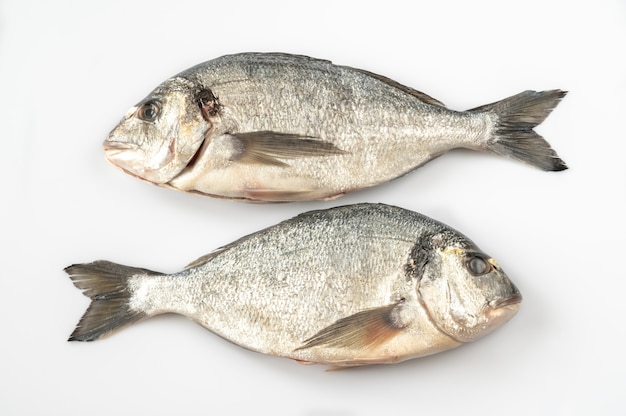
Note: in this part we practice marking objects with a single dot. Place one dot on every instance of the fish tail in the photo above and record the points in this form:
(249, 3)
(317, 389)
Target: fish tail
(107, 284)
(514, 135)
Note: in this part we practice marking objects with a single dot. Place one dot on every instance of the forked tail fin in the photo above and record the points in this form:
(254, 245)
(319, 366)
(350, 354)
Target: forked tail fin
(106, 283)
(514, 135)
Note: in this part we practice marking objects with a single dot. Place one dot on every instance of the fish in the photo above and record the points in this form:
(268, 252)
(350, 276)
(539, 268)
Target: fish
(346, 286)
(274, 127)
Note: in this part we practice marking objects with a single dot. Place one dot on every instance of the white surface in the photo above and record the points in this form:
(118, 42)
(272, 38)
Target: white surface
(69, 71)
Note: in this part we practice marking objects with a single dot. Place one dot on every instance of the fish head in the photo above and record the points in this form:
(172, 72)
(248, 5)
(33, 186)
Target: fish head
(159, 137)
(465, 292)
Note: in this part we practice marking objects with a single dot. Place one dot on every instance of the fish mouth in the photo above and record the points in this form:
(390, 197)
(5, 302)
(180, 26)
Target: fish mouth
(118, 153)
(502, 303)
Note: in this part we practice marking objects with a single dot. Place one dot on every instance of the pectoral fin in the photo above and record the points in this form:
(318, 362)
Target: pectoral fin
(363, 330)
(267, 147)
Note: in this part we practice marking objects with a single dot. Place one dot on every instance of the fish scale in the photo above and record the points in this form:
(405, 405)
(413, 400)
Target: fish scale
(353, 285)
(289, 128)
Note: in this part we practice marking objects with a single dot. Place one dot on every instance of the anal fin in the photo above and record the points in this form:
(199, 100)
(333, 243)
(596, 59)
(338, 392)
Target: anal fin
(281, 195)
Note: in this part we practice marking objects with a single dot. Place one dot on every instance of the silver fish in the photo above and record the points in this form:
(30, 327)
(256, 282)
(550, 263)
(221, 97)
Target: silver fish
(353, 285)
(278, 127)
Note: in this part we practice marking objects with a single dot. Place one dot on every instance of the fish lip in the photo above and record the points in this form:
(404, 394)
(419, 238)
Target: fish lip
(111, 145)
(112, 148)
(501, 303)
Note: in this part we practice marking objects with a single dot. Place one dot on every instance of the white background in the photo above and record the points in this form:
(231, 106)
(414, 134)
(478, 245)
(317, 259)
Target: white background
(69, 70)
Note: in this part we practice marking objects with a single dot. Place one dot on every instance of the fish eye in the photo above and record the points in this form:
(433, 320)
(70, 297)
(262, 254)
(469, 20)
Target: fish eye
(149, 111)
(478, 266)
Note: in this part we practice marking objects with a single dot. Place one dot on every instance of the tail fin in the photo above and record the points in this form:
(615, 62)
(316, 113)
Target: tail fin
(514, 135)
(106, 283)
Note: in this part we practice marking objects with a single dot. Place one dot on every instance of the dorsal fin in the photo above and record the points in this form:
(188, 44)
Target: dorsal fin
(206, 258)
(418, 94)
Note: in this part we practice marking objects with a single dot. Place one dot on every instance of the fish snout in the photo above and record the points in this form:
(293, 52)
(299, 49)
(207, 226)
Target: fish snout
(508, 295)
